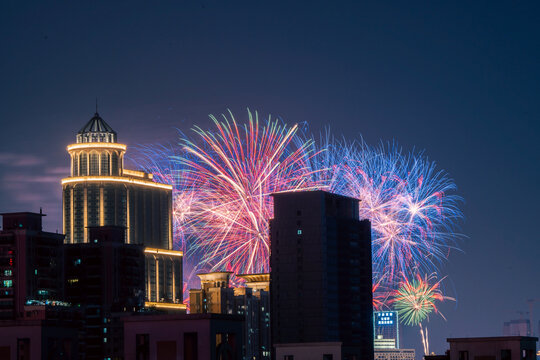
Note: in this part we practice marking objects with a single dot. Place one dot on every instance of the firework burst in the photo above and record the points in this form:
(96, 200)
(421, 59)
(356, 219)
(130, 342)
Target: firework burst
(235, 169)
(415, 300)
(411, 206)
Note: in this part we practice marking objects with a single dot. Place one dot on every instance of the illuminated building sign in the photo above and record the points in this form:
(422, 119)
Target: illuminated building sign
(385, 318)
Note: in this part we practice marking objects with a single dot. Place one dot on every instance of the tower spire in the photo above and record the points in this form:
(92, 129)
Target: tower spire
(96, 105)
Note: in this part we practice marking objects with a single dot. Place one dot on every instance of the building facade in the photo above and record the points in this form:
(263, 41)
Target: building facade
(252, 302)
(31, 263)
(493, 348)
(321, 275)
(101, 192)
(193, 337)
(386, 329)
(394, 354)
(105, 279)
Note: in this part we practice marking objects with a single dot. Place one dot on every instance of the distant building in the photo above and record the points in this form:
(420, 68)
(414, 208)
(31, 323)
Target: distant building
(252, 302)
(320, 277)
(521, 327)
(394, 354)
(493, 348)
(101, 192)
(31, 263)
(215, 296)
(386, 330)
(193, 337)
(105, 278)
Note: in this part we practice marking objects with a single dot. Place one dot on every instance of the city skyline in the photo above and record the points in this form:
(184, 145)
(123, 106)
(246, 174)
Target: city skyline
(458, 94)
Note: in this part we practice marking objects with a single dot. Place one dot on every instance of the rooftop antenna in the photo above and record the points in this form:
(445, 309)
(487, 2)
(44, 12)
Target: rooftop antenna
(96, 105)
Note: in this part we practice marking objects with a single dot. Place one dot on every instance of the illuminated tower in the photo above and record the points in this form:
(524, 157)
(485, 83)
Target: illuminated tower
(101, 192)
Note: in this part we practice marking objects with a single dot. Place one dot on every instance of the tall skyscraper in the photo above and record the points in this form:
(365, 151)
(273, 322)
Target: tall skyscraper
(101, 192)
(320, 277)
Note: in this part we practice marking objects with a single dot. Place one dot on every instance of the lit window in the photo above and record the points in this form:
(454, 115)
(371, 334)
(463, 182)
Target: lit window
(299, 232)
(104, 340)
(35, 271)
(104, 330)
(8, 273)
(8, 283)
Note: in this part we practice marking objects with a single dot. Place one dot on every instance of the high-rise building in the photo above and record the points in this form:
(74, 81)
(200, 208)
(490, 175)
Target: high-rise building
(34, 322)
(321, 277)
(252, 302)
(105, 278)
(31, 263)
(386, 330)
(101, 192)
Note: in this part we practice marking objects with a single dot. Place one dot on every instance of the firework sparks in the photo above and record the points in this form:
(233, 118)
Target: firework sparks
(416, 299)
(236, 168)
(223, 180)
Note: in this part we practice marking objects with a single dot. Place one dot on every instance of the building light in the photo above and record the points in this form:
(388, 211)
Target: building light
(119, 179)
(35, 271)
(299, 232)
(8, 283)
(116, 146)
(8, 272)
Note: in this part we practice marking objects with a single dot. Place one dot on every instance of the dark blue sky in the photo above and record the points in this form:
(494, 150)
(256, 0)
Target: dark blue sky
(459, 80)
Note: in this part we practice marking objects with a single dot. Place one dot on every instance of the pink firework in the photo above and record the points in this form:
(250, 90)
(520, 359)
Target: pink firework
(234, 170)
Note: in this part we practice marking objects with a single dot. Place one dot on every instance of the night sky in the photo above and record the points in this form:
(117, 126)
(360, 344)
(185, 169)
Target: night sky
(460, 81)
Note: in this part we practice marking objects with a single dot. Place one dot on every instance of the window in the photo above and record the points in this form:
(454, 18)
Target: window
(298, 213)
(8, 283)
(8, 273)
(328, 357)
(506, 354)
(299, 232)
(463, 355)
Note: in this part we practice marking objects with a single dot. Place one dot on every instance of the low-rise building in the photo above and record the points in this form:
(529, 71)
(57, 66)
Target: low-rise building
(193, 336)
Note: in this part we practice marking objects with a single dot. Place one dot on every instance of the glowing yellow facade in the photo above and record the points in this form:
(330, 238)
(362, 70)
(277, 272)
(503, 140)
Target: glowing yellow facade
(100, 192)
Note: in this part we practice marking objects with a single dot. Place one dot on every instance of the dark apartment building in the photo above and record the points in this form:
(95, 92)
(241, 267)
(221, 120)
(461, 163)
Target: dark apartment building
(31, 263)
(34, 322)
(321, 278)
(105, 279)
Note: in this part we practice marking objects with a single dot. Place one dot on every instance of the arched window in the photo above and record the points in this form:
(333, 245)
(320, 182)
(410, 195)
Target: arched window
(105, 160)
(94, 163)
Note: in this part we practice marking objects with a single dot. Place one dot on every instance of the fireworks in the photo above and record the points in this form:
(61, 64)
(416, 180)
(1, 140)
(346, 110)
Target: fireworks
(235, 169)
(415, 300)
(223, 179)
(410, 205)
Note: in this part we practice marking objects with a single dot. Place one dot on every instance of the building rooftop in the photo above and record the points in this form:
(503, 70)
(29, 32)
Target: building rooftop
(96, 124)
(493, 338)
